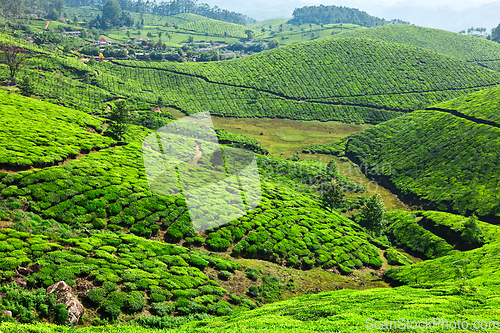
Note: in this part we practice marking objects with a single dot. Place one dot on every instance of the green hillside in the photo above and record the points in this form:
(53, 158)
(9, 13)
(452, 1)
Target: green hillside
(441, 157)
(481, 105)
(349, 80)
(53, 134)
(322, 80)
(97, 210)
(162, 230)
(468, 48)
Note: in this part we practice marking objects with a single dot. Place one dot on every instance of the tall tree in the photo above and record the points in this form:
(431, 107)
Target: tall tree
(495, 34)
(120, 117)
(249, 33)
(26, 86)
(372, 215)
(12, 56)
(111, 12)
(333, 197)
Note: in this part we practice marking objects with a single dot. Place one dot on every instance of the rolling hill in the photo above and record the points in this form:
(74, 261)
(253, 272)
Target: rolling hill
(88, 217)
(468, 48)
(439, 157)
(349, 80)
(321, 80)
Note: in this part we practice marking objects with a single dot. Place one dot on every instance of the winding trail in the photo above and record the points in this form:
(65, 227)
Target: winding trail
(197, 156)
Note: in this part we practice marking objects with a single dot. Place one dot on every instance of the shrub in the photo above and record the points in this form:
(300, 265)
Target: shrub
(224, 275)
(253, 274)
(97, 295)
(198, 262)
(162, 309)
(218, 244)
(253, 291)
(61, 313)
(135, 301)
(157, 297)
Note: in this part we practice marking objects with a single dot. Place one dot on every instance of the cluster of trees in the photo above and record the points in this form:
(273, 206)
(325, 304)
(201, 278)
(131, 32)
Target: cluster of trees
(52, 8)
(495, 34)
(167, 8)
(472, 30)
(112, 16)
(338, 14)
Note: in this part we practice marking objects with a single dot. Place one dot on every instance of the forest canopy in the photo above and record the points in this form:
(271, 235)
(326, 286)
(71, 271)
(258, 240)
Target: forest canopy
(338, 14)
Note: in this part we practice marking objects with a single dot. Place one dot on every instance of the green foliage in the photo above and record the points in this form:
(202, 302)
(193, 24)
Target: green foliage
(472, 232)
(163, 309)
(253, 274)
(26, 86)
(45, 134)
(372, 213)
(333, 198)
(120, 117)
(404, 231)
(467, 48)
(482, 105)
(61, 313)
(395, 258)
(135, 301)
(414, 152)
(336, 148)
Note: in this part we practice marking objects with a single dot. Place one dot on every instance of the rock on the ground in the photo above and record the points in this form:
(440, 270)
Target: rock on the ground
(64, 295)
(6, 313)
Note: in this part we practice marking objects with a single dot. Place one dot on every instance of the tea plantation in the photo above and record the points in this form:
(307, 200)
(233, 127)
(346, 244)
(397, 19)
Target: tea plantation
(439, 158)
(80, 206)
(467, 48)
(295, 82)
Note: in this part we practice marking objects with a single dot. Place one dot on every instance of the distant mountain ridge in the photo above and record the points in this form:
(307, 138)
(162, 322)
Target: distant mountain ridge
(339, 14)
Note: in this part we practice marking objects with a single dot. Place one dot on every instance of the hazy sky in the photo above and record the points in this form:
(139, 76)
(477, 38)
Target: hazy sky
(451, 4)
(452, 15)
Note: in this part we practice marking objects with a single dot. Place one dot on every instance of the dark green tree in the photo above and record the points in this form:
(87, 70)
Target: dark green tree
(119, 118)
(249, 33)
(12, 56)
(273, 43)
(111, 12)
(472, 232)
(372, 215)
(333, 197)
(26, 86)
(217, 160)
(160, 102)
(495, 34)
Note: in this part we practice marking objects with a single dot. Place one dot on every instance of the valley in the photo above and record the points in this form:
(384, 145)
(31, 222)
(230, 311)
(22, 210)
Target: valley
(350, 177)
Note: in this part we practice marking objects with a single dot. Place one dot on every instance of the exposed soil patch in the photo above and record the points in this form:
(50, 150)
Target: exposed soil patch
(6, 224)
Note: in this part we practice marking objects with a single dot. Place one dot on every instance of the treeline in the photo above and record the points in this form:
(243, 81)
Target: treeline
(167, 8)
(11, 8)
(338, 14)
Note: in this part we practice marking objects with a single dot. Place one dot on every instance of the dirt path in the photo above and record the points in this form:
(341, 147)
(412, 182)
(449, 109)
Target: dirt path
(197, 156)
(6, 224)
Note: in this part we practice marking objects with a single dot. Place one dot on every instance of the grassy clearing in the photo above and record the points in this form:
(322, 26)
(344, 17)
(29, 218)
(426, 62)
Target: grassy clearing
(283, 137)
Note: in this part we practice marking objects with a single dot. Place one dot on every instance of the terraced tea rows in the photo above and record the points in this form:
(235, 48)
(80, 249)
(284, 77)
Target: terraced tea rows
(467, 48)
(45, 134)
(444, 159)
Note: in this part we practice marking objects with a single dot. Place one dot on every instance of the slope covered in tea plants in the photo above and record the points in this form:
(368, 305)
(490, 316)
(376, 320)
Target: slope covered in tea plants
(347, 79)
(342, 311)
(438, 158)
(467, 48)
(44, 133)
(335, 79)
(481, 105)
